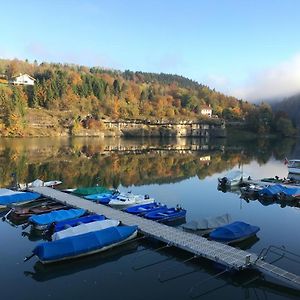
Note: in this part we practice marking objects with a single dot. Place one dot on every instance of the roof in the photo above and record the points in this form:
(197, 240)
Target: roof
(16, 76)
(206, 107)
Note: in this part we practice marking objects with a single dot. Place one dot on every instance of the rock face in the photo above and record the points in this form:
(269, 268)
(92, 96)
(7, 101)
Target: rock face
(133, 129)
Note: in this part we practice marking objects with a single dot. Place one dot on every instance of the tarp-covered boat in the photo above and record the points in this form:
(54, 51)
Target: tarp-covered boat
(208, 223)
(42, 221)
(145, 208)
(103, 198)
(166, 215)
(234, 232)
(10, 197)
(84, 228)
(281, 192)
(84, 244)
(58, 226)
(84, 191)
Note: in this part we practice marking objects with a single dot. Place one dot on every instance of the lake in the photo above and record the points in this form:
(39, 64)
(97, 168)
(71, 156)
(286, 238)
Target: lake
(173, 171)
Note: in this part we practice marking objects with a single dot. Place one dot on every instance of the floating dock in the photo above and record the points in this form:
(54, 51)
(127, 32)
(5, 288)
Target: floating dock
(231, 257)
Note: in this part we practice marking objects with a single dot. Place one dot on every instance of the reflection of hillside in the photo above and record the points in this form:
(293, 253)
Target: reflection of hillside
(85, 161)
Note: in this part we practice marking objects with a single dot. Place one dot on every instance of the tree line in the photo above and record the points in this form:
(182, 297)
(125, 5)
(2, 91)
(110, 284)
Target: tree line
(102, 93)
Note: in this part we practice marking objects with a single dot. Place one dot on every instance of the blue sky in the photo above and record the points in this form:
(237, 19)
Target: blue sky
(239, 47)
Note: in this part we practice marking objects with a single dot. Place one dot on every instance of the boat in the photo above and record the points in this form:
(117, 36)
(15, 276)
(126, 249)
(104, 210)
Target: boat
(251, 191)
(39, 183)
(40, 208)
(84, 244)
(84, 191)
(10, 197)
(233, 233)
(84, 228)
(280, 192)
(58, 226)
(206, 225)
(144, 208)
(129, 199)
(233, 178)
(293, 166)
(166, 215)
(103, 198)
(43, 221)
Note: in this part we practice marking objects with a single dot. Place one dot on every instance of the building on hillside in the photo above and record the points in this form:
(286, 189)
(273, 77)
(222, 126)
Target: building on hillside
(22, 79)
(3, 79)
(206, 111)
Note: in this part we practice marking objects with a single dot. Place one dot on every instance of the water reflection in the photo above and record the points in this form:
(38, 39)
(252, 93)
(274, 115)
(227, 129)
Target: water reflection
(111, 162)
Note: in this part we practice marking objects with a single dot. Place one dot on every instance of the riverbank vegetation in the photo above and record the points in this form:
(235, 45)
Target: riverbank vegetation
(65, 95)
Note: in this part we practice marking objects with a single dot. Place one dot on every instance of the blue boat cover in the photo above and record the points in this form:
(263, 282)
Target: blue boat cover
(74, 222)
(92, 190)
(278, 188)
(102, 198)
(233, 231)
(9, 197)
(166, 214)
(82, 244)
(145, 208)
(56, 216)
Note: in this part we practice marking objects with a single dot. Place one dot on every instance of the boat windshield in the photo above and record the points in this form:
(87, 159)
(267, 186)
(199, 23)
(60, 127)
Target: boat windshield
(294, 163)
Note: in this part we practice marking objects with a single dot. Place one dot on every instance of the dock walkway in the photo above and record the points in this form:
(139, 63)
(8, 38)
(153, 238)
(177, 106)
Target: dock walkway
(229, 256)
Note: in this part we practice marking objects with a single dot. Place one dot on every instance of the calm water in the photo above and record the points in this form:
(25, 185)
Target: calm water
(181, 172)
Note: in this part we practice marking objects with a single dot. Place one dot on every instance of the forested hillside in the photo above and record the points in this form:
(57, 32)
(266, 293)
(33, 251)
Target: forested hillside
(291, 106)
(71, 92)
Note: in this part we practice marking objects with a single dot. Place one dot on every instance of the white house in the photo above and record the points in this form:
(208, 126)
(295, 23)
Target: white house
(22, 79)
(206, 111)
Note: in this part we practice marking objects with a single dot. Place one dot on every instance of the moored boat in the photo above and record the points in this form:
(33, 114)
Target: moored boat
(103, 198)
(293, 166)
(10, 197)
(166, 215)
(143, 209)
(39, 183)
(234, 232)
(84, 228)
(84, 191)
(232, 178)
(129, 199)
(41, 208)
(84, 244)
(43, 221)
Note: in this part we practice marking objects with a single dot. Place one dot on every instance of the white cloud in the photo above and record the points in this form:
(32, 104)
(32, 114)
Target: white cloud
(277, 82)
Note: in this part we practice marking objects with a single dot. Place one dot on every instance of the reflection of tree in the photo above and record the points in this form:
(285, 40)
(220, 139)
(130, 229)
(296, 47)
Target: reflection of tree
(87, 162)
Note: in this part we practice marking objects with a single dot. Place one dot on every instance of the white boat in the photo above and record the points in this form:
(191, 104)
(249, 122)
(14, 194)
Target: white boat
(84, 228)
(293, 166)
(129, 199)
(39, 183)
(232, 178)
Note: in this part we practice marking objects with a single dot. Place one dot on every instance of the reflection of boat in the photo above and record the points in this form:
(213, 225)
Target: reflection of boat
(145, 208)
(129, 199)
(232, 178)
(166, 215)
(10, 197)
(205, 225)
(84, 244)
(43, 221)
(84, 228)
(234, 232)
(251, 191)
(294, 166)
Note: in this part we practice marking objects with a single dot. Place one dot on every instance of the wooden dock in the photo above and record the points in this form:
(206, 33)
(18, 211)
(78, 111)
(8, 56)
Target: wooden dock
(231, 257)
